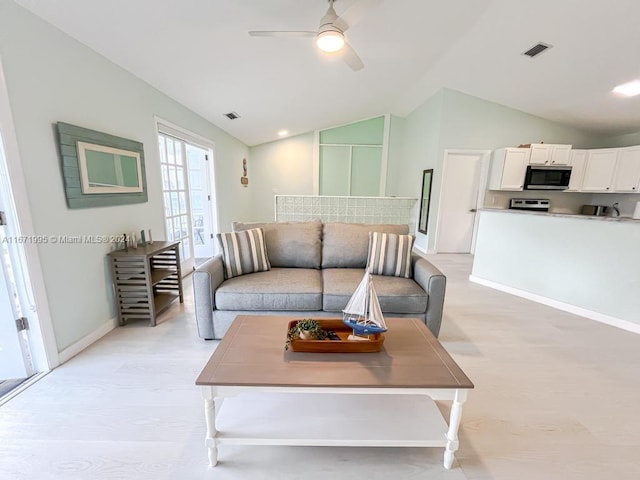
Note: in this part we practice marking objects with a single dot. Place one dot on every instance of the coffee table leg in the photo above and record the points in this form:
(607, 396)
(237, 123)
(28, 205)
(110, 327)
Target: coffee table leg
(210, 418)
(454, 422)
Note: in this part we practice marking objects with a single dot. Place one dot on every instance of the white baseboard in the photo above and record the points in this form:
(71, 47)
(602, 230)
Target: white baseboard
(72, 350)
(567, 307)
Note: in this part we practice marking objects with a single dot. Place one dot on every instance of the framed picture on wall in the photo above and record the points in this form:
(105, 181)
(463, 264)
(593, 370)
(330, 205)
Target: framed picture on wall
(108, 170)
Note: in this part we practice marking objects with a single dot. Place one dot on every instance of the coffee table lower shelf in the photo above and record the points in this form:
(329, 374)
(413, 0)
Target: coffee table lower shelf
(324, 417)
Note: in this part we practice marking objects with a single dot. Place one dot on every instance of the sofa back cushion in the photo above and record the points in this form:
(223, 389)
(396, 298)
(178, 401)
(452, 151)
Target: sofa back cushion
(290, 244)
(346, 245)
(390, 254)
(243, 252)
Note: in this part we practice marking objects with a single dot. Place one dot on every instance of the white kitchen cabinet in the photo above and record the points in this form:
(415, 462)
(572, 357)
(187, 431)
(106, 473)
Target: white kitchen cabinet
(578, 162)
(549, 154)
(508, 168)
(598, 174)
(626, 177)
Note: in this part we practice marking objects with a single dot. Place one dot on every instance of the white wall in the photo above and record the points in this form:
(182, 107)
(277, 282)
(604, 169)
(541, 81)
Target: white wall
(51, 77)
(283, 167)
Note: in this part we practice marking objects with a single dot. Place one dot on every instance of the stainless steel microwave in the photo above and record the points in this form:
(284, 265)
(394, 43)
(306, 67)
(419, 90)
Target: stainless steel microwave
(547, 178)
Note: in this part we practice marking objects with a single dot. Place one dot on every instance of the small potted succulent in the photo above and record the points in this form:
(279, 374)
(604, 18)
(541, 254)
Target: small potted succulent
(305, 329)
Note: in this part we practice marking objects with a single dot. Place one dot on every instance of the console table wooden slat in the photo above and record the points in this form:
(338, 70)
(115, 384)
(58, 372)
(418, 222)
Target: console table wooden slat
(146, 280)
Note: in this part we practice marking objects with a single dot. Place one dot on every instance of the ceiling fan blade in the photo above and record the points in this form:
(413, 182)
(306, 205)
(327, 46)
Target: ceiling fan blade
(282, 33)
(355, 12)
(351, 58)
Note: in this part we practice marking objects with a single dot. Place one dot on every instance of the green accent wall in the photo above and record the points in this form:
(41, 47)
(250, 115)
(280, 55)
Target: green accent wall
(367, 132)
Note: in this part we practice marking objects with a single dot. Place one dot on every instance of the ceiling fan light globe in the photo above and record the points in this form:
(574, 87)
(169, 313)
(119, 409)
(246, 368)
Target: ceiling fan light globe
(330, 41)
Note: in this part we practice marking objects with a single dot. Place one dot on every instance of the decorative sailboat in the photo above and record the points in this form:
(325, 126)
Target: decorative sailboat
(363, 313)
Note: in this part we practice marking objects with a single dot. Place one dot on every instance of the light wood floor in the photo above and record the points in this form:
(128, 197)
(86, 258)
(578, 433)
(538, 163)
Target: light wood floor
(557, 397)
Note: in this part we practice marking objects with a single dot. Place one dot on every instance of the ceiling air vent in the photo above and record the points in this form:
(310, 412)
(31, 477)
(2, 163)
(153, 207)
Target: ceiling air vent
(232, 115)
(537, 49)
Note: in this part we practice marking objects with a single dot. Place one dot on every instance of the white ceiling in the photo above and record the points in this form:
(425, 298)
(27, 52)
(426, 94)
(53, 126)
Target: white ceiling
(199, 53)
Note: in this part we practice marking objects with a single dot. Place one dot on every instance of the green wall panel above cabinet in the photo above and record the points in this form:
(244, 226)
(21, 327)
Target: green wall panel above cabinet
(367, 132)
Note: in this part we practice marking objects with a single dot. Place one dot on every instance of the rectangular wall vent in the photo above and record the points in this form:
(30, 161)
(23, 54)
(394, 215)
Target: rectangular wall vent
(537, 49)
(232, 115)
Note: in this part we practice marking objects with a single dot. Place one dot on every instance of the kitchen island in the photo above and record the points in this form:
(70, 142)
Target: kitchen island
(586, 265)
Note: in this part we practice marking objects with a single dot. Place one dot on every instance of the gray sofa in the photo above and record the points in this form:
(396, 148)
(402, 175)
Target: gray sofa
(315, 267)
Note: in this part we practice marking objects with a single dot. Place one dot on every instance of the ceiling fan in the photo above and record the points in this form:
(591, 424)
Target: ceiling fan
(330, 36)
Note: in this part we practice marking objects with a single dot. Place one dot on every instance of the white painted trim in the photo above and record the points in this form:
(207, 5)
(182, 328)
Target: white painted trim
(316, 162)
(42, 335)
(566, 307)
(170, 128)
(22, 387)
(385, 154)
(74, 349)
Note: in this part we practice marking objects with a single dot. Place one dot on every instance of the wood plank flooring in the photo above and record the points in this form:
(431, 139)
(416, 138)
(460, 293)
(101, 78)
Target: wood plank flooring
(557, 397)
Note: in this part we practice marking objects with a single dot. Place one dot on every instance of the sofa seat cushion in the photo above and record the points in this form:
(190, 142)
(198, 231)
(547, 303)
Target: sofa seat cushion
(395, 294)
(276, 289)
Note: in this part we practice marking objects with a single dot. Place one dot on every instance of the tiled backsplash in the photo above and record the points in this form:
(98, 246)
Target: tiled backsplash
(396, 210)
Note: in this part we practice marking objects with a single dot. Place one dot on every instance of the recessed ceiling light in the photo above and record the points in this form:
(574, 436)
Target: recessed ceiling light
(630, 89)
(283, 133)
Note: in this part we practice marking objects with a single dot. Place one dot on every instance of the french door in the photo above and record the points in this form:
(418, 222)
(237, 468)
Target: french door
(187, 196)
(15, 353)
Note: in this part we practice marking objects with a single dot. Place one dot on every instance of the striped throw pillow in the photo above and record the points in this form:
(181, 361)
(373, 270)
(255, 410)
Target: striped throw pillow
(244, 252)
(390, 254)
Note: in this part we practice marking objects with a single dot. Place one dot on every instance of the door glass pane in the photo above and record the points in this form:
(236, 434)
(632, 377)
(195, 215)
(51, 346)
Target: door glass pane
(170, 155)
(165, 177)
(180, 174)
(182, 198)
(172, 178)
(178, 152)
(174, 203)
(169, 231)
(163, 150)
(167, 204)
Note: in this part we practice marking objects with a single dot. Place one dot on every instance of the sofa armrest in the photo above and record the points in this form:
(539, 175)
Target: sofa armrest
(434, 283)
(206, 279)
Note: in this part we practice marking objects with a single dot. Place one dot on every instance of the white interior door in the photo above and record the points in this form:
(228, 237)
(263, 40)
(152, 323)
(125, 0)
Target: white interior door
(13, 364)
(459, 199)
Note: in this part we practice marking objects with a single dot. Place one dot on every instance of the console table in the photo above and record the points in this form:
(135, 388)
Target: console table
(146, 279)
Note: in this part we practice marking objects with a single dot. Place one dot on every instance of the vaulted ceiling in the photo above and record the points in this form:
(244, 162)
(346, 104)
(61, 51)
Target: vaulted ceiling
(199, 53)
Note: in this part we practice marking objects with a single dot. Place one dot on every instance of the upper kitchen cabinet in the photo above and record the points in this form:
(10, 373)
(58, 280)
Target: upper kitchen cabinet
(626, 177)
(578, 162)
(508, 168)
(549, 154)
(598, 174)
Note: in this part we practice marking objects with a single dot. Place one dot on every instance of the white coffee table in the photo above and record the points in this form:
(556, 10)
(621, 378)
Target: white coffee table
(257, 394)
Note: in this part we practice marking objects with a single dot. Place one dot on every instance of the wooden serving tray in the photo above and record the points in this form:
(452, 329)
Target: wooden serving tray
(335, 346)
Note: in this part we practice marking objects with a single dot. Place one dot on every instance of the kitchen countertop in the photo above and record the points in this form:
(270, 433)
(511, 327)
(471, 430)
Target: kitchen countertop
(558, 214)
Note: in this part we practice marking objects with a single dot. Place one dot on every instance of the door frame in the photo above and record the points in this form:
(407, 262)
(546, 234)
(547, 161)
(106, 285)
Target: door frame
(485, 157)
(44, 348)
(166, 127)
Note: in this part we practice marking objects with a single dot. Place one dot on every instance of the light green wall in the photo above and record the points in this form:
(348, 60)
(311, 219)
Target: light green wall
(451, 120)
(559, 263)
(366, 132)
(284, 167)
(51, 77)
(419, 136)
